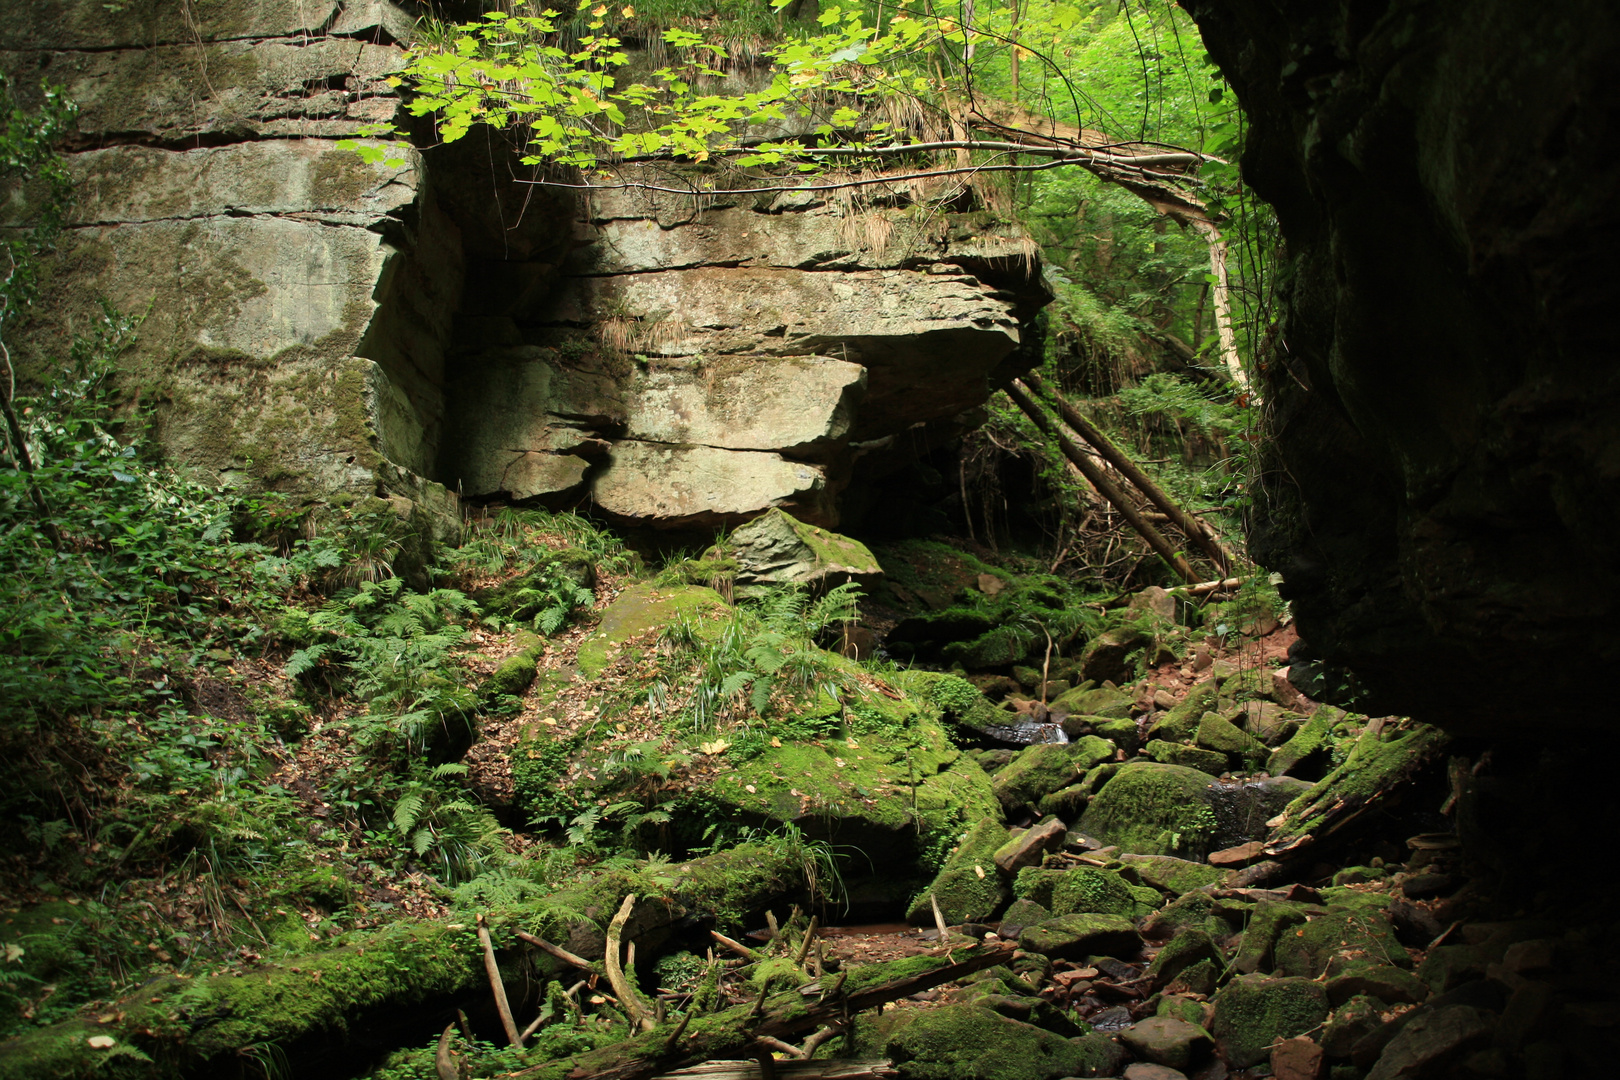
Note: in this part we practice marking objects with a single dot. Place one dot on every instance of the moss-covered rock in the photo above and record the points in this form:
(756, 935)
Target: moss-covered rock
(1167, 1041)
(1385, 982)
(968, 1042)
(1269, 921)
(1086, 890)
(1190, 946)
(1253, 1011)
(1112, 655)
(1075, 937)
(640, 608)
(1180, 724)
(779, 549)
(1172, 875)
(1188, 757)
(1223, 736)
(1021, 913)
(1308, 745)
(1152, 809)
(1220, 918)
(968, 887)
(1038, 771)
(516, 673)
(1101, 701)
(1355, 927)
(1066, 803)
(960, 701)
(1122, 733)
(889, 792)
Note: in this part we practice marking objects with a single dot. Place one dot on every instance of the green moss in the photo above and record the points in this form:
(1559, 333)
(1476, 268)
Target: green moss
(1225, 737)
(1067, 804)
(640, 608)
(1176, 876)
(1075, 937)
(516, 673)
(1190, 946)
(1253, 1012)
(1042, 769)
(1190, 757)
(967, 1042)
(1150, 809)
(1122, 733)
(1380, 760)
(1356, 926)
(969, 888)
(1180, 724)
(1270, 920)
(1199, 910)
(1308, 742)
(1103, 702)
(1087, 890)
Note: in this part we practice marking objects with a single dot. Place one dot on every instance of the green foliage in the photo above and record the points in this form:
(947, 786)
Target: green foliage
(393, 647)
(766, 652)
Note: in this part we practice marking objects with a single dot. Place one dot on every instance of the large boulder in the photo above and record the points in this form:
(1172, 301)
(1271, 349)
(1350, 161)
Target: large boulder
(1153, 809)
(778, 549)
(1252, 1012)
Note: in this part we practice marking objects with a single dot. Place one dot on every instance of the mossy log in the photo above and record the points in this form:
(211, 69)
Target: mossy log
(305, 1005)
(832, 999)
(1384, 759)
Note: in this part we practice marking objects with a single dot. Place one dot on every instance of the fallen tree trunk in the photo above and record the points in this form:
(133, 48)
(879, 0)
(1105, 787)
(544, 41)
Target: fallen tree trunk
(1099, 480)
(1191, 527)
(404, 978)
(833, 999)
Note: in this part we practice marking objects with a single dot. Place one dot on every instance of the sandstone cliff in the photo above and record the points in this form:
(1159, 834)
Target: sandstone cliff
(334, 329)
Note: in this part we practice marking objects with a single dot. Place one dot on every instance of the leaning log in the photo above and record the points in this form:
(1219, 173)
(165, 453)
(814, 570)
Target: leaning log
(1191, 527)
(1099, 480)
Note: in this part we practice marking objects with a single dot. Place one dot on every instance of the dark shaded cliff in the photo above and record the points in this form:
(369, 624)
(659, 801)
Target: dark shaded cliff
(1443, 492)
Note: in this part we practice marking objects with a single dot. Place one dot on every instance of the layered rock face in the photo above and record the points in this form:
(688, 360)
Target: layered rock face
(1443, 497)
(330, 328)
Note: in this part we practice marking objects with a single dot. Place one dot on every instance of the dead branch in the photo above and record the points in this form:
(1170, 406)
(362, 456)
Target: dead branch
(560, 953)
(633, 1007)
(1099, 480)
(1196, 531)
(496, 986)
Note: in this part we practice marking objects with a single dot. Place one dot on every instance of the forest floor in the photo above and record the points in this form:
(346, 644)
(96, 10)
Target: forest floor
(1203, 870)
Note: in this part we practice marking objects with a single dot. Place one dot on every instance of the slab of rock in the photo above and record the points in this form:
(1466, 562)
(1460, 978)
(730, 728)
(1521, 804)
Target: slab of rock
(1075, 937)
(1430, 1041)
(698, 485)
(799, 405)
(1166, 1041)
(1173, 875)
(1030, 846)
(1189, 757)
(778, 549)
(1110, 656)
(1296, 1059)
(1240, 856)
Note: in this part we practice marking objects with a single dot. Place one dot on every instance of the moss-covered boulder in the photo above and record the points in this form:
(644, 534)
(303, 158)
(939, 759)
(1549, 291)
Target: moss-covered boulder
(1021, 913)
(1040, 770)
(1089, 890)
(1152, 809)
(1096, 702)
(1190, 946)
(1252, 1012)
(959, 701)
(779, 549)
(1307, 746)
(1369, 978)
(1112, 655)
(1356, 927)
(969, 1042)
(1188, 757)
(1172, 875)
(890, 792)
(1221, 735)
(640, 608)
(1124, 734)
(1075, 937)
(1219, 917)
(967, 887)
(1067, 803)
(1270, 919)
(1167, 1041)
(1180, 724)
